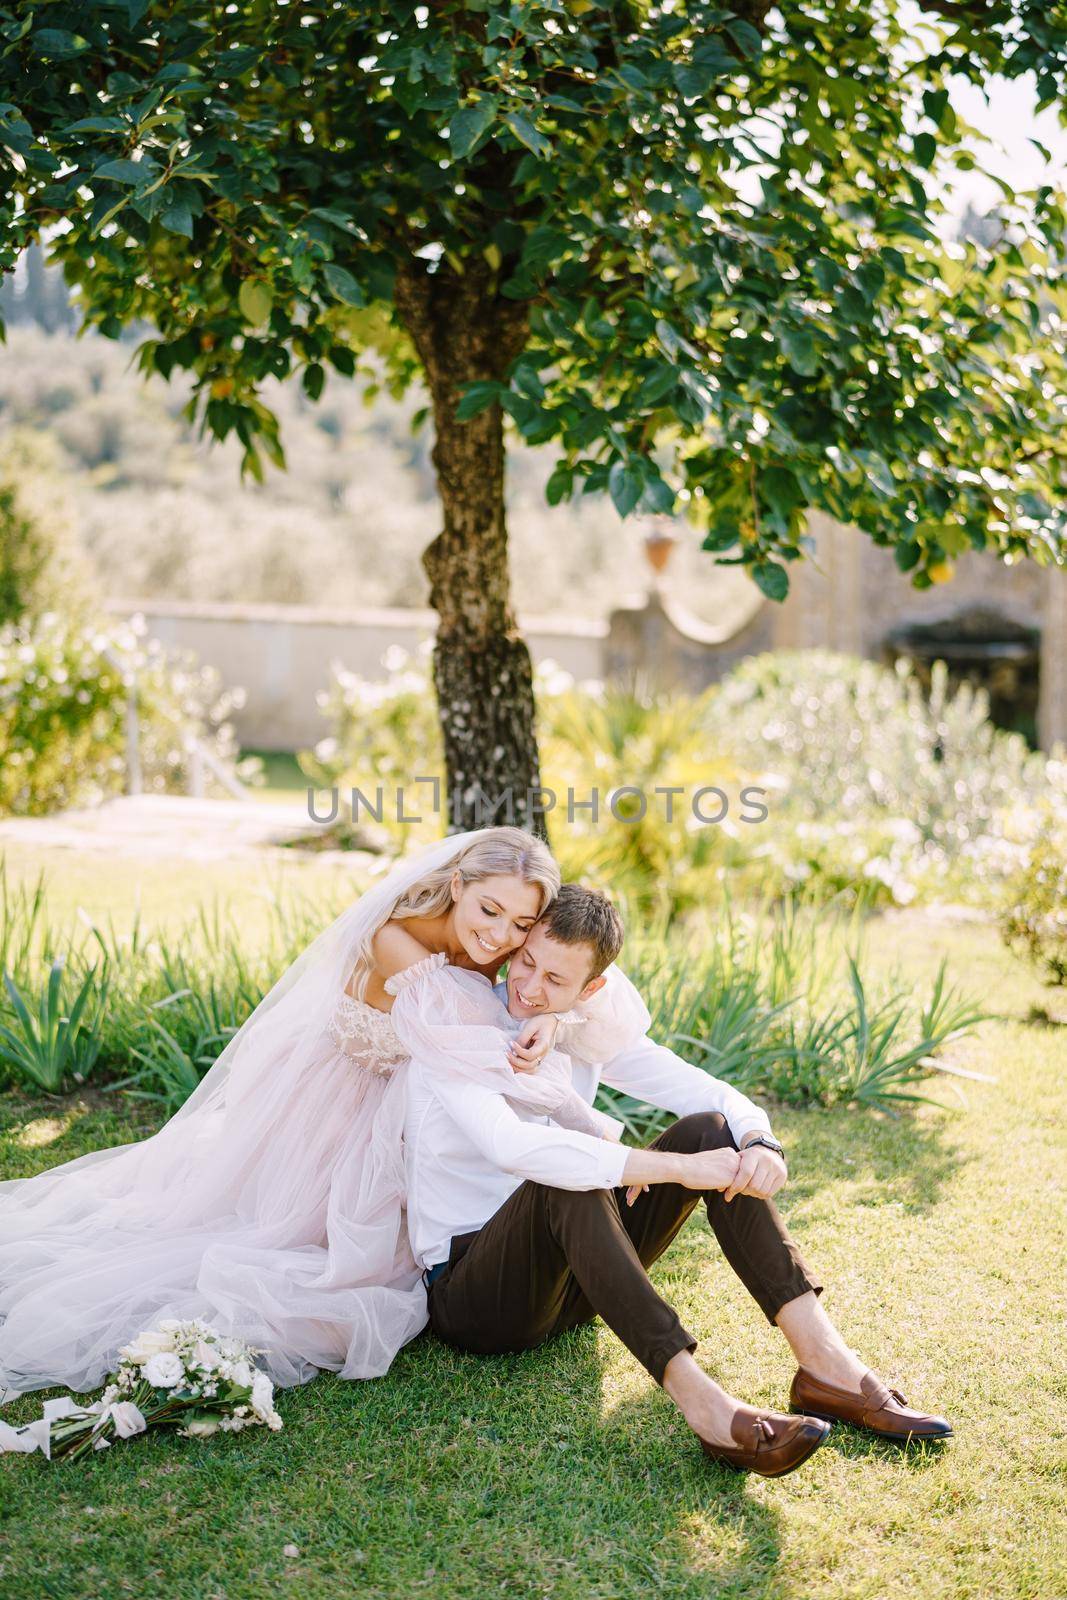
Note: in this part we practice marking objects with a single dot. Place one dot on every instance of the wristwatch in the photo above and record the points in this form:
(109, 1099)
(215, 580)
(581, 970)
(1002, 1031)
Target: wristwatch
(765, 1138)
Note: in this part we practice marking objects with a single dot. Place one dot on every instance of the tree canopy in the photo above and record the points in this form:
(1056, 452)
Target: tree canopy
(723, 225)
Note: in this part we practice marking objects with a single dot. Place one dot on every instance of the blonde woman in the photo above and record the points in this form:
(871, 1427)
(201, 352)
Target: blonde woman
(272, 1202)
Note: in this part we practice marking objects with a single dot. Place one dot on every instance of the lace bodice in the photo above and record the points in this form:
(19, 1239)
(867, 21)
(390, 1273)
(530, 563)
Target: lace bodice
(366, 1034)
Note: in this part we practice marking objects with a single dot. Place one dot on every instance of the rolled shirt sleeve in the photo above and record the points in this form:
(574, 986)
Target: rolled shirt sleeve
(534, 1150)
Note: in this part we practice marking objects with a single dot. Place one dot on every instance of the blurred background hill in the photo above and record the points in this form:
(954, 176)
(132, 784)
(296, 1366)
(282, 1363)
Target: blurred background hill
(160, 514)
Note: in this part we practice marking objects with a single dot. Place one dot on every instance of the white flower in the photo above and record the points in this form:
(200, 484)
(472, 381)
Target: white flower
(150, 1343)
(127, 1418)
(201, 1428)
(241, 1374)
(262, 1396)
(164, 1371)
(205, 1356)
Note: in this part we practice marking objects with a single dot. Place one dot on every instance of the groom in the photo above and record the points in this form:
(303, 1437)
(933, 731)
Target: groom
(524, 1228)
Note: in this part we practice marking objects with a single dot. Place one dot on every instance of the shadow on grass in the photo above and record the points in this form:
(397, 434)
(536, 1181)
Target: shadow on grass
(903, 1161)
(514, 1454)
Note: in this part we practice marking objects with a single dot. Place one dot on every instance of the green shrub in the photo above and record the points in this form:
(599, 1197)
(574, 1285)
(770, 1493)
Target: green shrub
(939, 798)
(1034, 921)
(381, 735)
(774, 1000)
(41, 567)
(63, 699)
(875, 791)
(641, 846)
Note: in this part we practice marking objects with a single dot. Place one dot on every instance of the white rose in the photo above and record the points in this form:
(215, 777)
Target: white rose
(205, 1356)
(164, 1371)
(241, 1374)
(170, 1324)
(262, 1395)
(202, 1428)
(127, 1419)
(147, 1344)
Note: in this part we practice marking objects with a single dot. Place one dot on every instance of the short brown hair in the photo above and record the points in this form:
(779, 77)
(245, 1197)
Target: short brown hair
(580, 915)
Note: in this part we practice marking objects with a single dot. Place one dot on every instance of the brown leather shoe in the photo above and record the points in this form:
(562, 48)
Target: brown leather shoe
(866, 1407)
(769, 1443)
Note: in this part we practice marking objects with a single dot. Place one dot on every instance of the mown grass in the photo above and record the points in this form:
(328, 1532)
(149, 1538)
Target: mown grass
(566, 1473)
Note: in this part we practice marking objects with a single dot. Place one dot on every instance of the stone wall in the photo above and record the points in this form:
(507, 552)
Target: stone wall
(281, 655)
(850, 597)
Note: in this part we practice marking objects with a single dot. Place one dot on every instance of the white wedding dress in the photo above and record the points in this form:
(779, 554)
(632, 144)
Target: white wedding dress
(282, 1240)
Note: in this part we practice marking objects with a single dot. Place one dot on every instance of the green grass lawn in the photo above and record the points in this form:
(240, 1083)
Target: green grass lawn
(283, 779)
(566, 1472)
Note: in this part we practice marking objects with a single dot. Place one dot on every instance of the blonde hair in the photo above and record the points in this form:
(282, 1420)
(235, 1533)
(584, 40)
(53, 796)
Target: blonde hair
(497, 852)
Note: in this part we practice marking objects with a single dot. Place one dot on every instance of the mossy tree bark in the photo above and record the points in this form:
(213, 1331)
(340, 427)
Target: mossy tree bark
(464, 332)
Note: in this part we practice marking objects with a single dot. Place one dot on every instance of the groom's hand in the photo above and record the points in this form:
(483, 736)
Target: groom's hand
(760, 1173)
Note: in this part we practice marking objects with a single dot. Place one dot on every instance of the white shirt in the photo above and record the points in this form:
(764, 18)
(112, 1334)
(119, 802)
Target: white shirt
(467, 1150)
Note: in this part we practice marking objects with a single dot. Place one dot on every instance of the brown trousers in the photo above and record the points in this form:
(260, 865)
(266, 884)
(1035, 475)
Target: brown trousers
(551, 1259)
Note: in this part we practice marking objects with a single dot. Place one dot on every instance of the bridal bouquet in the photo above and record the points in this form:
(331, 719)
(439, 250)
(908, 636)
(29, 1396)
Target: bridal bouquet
(178, 1373)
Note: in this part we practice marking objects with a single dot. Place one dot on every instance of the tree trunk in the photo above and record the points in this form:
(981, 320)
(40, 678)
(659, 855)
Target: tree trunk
(464, 332)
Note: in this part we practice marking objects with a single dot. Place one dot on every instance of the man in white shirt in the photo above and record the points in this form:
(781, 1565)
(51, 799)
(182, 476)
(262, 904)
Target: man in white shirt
(525, 1228)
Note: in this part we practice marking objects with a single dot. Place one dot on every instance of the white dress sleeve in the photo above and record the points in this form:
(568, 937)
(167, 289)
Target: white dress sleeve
(452, 1022)
(610, 1021)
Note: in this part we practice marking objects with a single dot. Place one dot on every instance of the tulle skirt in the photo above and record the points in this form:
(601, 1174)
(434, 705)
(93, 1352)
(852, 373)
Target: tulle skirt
(275, 1211)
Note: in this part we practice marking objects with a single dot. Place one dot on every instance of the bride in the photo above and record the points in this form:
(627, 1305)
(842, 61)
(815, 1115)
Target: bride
(271, 1203)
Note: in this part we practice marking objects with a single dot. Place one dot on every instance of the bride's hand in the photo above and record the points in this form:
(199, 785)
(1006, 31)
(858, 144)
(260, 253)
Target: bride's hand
(534, 1042)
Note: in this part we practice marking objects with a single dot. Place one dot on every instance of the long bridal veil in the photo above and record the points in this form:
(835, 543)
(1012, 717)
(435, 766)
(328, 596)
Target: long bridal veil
(271, 1203)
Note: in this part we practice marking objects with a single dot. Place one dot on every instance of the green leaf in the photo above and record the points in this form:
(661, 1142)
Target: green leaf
(469, 125)
(780, 489)
(178, 219)
(827, 273)
(336, 219)
(527, 134)
(658, 497)
(656, 387)
(123, 171)
(313, 379)
(877, 469)
(97, 125)
(935, 104)
(528, 382)
(925, 148)
(559, 484)
(476, 399)
(746, 39)
(771, 578)
(624, 486)
(58, 43)
(798, 347)
(342, 285)
(256, 302)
